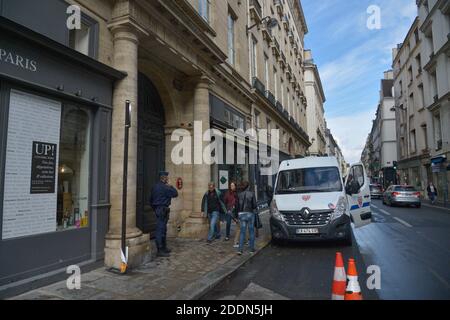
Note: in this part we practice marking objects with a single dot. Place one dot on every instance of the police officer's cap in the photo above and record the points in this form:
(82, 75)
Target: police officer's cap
(163, 174)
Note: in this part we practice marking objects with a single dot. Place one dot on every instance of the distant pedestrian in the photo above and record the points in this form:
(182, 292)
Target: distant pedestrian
(213, 207)
(160, 200)
(247, 210)
(432, 192)
(231, 202)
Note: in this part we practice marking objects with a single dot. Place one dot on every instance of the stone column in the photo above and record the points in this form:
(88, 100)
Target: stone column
(196, 226)
(125, 59)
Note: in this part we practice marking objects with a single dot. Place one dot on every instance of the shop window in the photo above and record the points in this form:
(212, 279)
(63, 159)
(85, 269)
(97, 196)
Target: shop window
(73, 171)
(84, 40)
(47, 166)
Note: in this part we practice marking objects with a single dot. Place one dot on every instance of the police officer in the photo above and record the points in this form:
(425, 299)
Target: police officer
(161, 198)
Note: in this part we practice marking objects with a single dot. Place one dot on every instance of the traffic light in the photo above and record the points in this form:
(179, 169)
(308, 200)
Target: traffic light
(395, 165)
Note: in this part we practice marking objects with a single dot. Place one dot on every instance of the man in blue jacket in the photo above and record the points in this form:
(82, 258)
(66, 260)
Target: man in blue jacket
(160, 200)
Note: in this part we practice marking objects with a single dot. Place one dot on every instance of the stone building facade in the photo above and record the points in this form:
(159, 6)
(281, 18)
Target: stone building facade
(411, 116)
(315, 113)
(434, 26)
(185, 66)
(422, 68)
(189, 61)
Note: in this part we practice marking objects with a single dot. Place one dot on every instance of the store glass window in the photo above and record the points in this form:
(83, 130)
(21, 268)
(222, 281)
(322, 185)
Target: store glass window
(46, 182)
(73, 171)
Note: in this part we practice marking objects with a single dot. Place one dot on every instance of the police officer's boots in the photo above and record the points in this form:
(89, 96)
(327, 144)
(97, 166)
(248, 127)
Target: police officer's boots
(162, 253)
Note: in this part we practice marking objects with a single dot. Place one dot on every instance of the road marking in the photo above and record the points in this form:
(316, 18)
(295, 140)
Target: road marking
(374, 206)
(385, 212)
(442, 280)
(403, 222)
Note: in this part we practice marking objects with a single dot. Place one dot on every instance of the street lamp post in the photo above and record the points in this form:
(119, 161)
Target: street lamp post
(124, 253)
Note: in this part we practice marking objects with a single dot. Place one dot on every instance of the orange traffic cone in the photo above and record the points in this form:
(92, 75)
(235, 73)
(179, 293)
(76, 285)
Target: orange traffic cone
(339, 279)
(353, 291)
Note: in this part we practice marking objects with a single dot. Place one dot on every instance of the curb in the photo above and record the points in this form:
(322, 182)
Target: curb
(206, 283)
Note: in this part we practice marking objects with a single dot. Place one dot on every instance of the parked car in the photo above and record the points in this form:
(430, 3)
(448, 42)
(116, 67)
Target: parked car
(376, 191)
(402, 195)
(310, 201)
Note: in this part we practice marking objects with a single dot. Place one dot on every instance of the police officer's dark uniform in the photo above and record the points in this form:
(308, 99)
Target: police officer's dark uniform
(161, 199)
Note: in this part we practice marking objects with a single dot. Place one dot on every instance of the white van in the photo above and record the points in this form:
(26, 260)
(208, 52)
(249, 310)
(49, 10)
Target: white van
(311, 202)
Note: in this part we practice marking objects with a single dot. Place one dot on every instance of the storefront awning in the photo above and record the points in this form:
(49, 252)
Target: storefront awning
(438, 160)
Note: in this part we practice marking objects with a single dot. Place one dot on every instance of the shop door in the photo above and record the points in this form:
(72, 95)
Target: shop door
(151, 151)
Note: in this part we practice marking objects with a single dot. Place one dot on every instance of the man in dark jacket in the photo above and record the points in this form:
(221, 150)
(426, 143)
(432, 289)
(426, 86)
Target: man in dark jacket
(247, 215)
(213, 206)
(160, 200)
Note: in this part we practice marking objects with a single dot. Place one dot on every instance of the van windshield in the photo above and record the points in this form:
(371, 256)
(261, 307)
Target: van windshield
(309, 180)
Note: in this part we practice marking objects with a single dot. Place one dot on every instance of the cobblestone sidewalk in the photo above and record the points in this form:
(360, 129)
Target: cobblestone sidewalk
(193, 268)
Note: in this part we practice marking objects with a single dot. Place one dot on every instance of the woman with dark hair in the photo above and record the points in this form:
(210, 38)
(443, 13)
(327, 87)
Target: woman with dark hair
(231, 202)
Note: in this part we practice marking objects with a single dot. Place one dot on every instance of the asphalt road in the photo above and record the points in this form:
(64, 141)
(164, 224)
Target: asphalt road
(411, 246)
(295, 271)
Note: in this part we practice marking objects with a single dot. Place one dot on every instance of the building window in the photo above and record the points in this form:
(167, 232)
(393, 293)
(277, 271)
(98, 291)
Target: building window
(282, 92)
(269, 128)
(266, 71)
(402, 147)
(410, 74)
(434, 87)
(85, 39)
(47, 166)
(412, 140)
(422, 97)
(257, 120)
(419, 64)
(204, 9)
(253, 64)
(425, 136)
(411, 104)
(275, 83)
(73, 172)
(231, 40)
(437, 131)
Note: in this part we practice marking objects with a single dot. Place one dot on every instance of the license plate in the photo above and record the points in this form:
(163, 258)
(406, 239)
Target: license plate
(307, 231)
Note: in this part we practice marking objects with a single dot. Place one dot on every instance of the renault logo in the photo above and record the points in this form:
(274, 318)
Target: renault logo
(306, 213)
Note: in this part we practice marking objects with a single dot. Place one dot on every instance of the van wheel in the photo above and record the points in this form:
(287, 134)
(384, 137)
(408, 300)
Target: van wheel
(277, 242)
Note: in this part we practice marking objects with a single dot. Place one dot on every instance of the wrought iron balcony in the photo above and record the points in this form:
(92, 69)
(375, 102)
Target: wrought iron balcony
(279, 106)
(271, 98)
(259, 86)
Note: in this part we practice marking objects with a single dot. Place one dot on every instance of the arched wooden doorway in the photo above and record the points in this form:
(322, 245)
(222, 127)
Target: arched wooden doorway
(151, 150)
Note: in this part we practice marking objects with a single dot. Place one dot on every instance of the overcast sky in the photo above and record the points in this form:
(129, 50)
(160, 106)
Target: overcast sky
(352, 59)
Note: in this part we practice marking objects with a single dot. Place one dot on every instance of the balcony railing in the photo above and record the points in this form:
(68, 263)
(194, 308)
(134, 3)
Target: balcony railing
(279, 106)
(259, 86)
(256, 10)
(271, 98)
